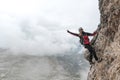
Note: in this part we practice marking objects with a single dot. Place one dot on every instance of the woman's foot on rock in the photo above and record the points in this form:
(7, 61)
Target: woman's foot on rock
(92, 63)
(99, 60)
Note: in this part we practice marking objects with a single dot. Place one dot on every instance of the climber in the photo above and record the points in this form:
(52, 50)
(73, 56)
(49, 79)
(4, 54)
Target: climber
(84, 40)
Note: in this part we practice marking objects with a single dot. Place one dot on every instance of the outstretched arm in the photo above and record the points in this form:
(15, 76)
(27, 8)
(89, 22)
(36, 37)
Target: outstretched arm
(75, 34)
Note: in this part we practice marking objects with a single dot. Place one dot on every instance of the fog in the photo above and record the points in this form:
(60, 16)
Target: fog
(39, 26)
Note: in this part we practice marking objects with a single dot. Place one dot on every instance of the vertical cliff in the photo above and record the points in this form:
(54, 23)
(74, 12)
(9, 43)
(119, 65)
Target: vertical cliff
(107, 44)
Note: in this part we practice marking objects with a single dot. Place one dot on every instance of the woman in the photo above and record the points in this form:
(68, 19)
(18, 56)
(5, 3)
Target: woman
(84, 40)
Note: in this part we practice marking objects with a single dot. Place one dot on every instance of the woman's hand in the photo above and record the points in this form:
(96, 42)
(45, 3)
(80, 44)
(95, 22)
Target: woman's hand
(68, 31)
(96, 31)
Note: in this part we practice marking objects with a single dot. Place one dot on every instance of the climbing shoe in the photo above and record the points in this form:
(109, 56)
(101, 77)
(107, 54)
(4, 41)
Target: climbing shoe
(91, 63)
(99, 60)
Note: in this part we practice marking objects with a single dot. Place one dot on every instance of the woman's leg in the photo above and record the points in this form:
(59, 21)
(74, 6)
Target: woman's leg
(92, 52)
(91, 55)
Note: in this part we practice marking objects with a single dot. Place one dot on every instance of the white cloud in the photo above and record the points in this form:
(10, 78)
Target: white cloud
(39, 26)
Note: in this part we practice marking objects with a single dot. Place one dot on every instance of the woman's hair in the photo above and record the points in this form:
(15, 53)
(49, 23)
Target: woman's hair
(80, 28)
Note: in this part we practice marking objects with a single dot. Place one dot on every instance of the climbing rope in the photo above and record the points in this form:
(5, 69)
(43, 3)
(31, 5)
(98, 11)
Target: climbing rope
(95, 38)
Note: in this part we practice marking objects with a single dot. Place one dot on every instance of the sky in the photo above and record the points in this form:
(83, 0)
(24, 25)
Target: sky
(39, 26)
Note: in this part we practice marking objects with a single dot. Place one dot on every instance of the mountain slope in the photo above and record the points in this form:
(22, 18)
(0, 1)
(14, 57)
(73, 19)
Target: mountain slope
(35, 67)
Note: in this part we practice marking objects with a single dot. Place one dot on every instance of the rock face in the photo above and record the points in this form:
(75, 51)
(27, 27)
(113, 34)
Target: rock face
(107, 44)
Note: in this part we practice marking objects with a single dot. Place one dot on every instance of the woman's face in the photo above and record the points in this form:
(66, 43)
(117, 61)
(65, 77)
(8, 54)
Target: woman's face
(80, 30)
